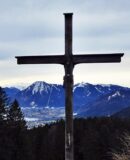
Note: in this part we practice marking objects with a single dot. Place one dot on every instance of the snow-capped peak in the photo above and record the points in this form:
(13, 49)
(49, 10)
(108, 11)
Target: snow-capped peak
(39, 86)
(82, 84)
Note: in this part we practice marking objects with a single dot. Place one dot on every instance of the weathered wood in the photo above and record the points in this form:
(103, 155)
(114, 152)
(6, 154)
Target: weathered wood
(68, 81)
(69, 60)
(75, 59)
(68, 34)
(55, 59)
(97, 58)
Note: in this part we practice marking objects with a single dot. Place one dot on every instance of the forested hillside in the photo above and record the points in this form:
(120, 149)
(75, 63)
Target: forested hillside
(94, 138)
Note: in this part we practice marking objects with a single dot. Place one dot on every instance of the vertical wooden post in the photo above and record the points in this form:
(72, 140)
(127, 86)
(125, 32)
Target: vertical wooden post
(68, 83)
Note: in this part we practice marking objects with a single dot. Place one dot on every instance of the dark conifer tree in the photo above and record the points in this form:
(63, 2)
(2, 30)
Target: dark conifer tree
(15, 116)
(3, 105)
(18, 131)
(4, 139)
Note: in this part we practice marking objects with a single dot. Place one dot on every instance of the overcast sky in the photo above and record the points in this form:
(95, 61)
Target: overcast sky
(36, 27)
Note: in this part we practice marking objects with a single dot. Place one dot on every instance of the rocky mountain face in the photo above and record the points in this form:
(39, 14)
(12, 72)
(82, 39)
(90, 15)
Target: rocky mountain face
(88, 99)
(107, 104)
(41, 94)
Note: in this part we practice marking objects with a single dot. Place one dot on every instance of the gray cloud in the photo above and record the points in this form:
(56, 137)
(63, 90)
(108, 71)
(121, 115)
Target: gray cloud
(37, 27)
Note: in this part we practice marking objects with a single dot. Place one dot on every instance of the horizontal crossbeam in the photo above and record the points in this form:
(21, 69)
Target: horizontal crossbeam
(97, 58)
(75, 59)
(55, 59)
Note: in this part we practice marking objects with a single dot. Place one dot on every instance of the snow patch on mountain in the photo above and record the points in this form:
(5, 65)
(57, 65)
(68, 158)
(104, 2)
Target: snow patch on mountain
(80, 85)
(117, 93)
(105, 85)
(33, 104)
(98, 89)
(88, 94)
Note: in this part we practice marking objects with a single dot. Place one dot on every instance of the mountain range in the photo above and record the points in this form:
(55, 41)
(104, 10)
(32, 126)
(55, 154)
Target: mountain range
(47, 100)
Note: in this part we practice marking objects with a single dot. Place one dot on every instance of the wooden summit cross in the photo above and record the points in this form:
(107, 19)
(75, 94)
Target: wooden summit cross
(69, 61)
